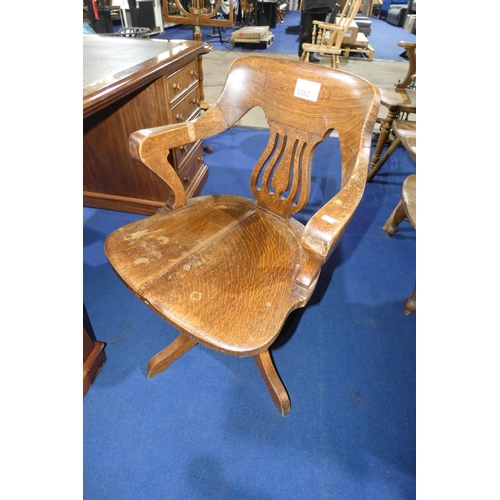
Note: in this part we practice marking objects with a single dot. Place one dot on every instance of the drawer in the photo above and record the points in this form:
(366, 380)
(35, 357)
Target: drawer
(182, 153)
(180, 82)
(192, 167)
(187, 108)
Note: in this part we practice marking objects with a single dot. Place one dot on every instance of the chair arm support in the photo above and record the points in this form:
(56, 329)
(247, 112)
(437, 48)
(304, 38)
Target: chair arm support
(411, 75)
(151, 147)
(324, 230)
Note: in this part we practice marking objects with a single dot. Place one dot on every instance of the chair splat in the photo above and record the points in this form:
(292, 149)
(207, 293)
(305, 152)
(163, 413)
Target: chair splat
(281, 179)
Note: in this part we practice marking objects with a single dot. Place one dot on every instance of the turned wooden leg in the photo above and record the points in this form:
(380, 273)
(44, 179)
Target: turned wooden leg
(392, 223)
(161, 361)
(273, 382)
(411, 302)
(381, 161)
(385, 130)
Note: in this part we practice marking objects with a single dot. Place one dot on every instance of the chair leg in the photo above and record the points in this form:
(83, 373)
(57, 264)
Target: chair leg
(398, 215)
(161, 361)
(411, 302)
(385, 130)
(273, 382)
(381, 161)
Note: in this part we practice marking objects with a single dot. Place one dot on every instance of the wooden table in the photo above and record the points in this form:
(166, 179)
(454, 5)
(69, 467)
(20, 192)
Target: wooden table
(131, 84)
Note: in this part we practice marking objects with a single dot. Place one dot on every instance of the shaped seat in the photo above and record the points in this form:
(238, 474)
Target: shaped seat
(399, 100)
(227, 270)
(327, 38)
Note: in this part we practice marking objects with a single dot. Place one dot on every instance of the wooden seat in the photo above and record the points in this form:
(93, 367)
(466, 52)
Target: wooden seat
(327, 38)
(398, 100)
(226, 270)
(406, 209)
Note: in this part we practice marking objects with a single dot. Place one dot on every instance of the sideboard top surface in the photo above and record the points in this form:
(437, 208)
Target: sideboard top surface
(114, 66)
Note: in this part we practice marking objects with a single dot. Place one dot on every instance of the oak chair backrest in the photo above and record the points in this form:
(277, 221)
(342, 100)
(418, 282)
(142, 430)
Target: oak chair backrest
(303, 105)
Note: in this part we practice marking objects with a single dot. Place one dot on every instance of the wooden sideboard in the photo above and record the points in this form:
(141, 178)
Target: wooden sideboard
(131, 84)
(93, 354)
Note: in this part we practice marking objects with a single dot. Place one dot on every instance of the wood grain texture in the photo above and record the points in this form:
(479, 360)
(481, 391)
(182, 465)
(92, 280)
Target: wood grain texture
(225, 270)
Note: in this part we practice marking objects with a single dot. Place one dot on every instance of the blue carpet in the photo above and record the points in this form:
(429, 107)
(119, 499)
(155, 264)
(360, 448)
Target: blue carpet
(206, 428)
(383, 38)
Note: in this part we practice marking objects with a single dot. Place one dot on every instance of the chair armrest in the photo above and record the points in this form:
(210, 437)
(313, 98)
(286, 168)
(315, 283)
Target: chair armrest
(325, 229)
(407, 45)
(151, 147)
(411, 48)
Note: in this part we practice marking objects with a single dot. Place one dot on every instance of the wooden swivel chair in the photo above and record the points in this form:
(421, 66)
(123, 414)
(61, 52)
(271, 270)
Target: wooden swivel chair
(398, 100)
(226, 270)
(327, 38)
(406, 209)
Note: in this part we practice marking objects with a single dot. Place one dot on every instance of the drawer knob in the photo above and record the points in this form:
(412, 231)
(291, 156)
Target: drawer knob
(176, 86)
(186, 180)
(183, 148)
(193, 73)
(179, 117)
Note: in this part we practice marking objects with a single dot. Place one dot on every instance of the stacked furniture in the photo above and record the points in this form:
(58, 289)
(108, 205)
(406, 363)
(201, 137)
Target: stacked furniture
(364, 24)
(258, 36)
(330, 38)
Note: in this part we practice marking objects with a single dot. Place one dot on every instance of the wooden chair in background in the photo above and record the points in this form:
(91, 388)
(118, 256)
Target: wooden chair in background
(225, 270)
(406, 209)
(327, 38)
(399, 100)
(405, 133)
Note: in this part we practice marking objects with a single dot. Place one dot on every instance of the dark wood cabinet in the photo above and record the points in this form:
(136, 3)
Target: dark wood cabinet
(131, 84)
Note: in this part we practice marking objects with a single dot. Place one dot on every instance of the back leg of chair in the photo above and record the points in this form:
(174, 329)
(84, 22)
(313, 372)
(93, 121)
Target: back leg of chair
(397, 216)
(385, 130)
(411, 302)
(373, 171)
(161, 361)
(273, 382)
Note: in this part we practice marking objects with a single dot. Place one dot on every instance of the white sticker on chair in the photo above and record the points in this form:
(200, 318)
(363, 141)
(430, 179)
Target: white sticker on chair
(328, 219)
(304, 89)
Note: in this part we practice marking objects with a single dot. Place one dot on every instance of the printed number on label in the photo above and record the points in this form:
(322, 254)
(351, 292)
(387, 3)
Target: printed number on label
(304, 89)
